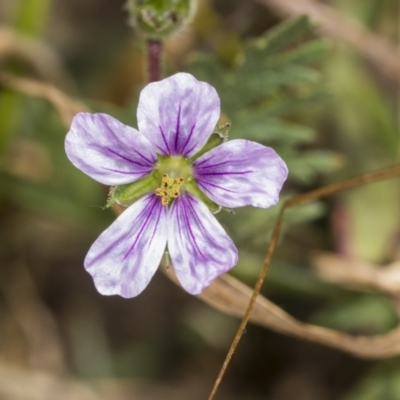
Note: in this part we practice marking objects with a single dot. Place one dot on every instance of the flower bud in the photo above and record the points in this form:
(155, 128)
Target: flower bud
(159, 18)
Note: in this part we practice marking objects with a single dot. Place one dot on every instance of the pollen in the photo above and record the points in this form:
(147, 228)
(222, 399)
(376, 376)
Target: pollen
(169, 189)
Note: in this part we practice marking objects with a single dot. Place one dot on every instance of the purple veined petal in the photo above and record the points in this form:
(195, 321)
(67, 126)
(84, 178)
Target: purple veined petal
(126, 255)
(240, 173)
(107, 150)
(178, 114)
(199, 247)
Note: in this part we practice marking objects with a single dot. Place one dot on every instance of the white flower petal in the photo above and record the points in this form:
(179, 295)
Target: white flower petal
(178, 114)
(240, 173)
(126, 255)
(107, 150)
(199, 247)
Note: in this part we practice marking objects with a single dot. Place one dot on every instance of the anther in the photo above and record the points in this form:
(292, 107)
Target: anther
(169, 189)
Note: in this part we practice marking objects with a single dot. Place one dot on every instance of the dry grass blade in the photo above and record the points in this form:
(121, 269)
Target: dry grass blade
(230, 296)
(377, 49)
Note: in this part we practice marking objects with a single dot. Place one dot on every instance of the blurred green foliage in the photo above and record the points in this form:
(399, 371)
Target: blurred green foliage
(381, 383)
(31, 19)
(272, 80)
(358, 313)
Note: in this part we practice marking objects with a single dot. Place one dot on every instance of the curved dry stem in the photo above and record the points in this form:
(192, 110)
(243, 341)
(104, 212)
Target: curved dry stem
(231, 296)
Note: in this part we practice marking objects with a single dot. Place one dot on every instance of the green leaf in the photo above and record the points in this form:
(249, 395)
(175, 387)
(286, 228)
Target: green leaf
(259, 126)
(284, 34)
(307, 53)
(308, 165)
(280, 106)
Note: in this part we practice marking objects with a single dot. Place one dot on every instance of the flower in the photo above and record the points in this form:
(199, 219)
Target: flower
(176, 118)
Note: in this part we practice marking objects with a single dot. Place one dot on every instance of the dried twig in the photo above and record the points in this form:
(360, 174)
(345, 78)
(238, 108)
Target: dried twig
(374, 47)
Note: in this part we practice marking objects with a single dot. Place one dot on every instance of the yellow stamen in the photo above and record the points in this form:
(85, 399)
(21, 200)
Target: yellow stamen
(176, 190)
(165, 200)
(179, 181)
(169, 189)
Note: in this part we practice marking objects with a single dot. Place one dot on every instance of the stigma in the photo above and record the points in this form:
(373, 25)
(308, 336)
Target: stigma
(169, 189)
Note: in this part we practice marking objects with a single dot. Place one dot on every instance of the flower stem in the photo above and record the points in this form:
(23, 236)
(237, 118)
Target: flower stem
(154, 48)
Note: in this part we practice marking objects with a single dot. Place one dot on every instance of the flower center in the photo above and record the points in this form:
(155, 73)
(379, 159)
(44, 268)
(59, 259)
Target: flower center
(175, 172)
(170, 189)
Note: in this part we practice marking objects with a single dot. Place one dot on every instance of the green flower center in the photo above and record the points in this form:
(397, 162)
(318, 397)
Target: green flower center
(176, 171)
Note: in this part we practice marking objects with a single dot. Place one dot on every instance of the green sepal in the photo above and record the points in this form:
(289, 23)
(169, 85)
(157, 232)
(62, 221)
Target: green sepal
(191, 187)
(158, 19)
(111, 198)
(223, 131)
(125, 195)
(220, 135)
(166, 259)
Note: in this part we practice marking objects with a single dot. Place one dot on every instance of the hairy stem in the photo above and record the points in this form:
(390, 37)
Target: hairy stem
(154, 48)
